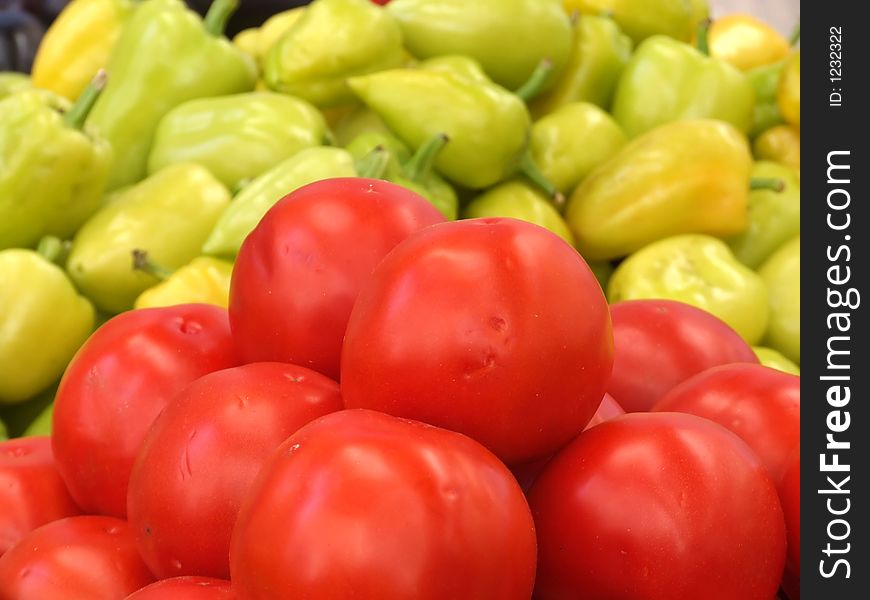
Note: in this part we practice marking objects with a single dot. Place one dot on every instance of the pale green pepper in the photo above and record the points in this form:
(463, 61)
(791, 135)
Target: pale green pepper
(775, 360)
(699, 270)
(782, 275)
(236, 137)
(169, 215)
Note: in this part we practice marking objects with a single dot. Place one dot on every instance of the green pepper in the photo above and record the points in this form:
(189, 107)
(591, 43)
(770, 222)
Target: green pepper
(641, 19)
(774, 215)
(12, 81)
(166, 55)
(599, 53)
(570, 142)
(236, 137)
(4, 434)
(169, 214)
(775, 360)
(699, 270)
(782, 276)
(487, 125)
(44, 321)
(331, 41)
(358, 121)
(519, 200)
(682, 177)
(52, 170)
(21, 418)
(765, 81)
(780, 143)
(239, 218)
(666, 80)
(509, 38)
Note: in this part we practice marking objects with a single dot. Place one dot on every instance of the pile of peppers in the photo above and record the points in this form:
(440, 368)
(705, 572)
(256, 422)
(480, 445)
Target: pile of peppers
(145, 145)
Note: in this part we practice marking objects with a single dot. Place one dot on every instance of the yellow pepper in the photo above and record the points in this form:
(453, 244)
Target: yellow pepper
(247, 40)
(203, 280)
(780, 143)
(78, 44)
(746, 42)
(274, 28)
(788, 96)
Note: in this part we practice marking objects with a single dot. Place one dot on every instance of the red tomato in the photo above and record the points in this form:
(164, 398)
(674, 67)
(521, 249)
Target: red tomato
(83, 557)
(657, 506)
(186, 588)
(298, 273)
(31, 490)
(660, 343)
(118, 383)
(790, 497)
(359, 503)
(760, 404)
(495, 328)
(204, 451)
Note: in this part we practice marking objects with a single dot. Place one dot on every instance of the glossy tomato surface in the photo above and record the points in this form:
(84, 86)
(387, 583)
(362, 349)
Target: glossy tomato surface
(204, 451)
(186, 588)
(365, 505)
(661, 343)
(31, 490)
(492, 327)
(117, 384)
(76, 558)
(760, 404)
(657, 506)
(299, 271)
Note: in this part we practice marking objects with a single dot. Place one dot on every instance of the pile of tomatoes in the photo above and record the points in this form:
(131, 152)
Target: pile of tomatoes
(398, 407)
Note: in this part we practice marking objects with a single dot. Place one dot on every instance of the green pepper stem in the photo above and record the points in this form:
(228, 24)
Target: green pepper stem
(374, 164)
(534, 85)
(795, 36)
(704, 37)
(76, 115)
(420, 166)
(534, 174)
(143, 262)
(220, 11)
(53, 249)
(766, 183)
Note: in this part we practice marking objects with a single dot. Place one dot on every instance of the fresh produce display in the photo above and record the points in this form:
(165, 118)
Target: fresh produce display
(398, 300)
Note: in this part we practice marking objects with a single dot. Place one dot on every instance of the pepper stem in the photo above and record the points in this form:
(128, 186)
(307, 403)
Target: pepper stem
(374, 164)
(418, 168)
(534, 174)
(53, 249)
(795, 36)
(76, 115)
(220, 11)
(704, 37)
(143, 262)
(534, 85)
(766, 183)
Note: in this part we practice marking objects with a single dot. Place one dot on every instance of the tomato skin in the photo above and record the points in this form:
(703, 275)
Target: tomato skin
(76, 558)
(299, 271)
(117, 384)
(186, 588)
(661, 343)
(217, 433)
(492, 327)
(790, 497)
(381, 508)
(31, 490)
(657, 506)
(759, 404)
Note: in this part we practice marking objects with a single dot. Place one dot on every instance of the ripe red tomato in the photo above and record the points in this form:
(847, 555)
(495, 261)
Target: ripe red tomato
(495, 328)
(77, 557)
(117, 384)
(204, 451)
(31, 490)
(790, 497)
(359, 503)
(186, 588)
(657, 506)
(760, 404)
(660, 343)
(298, 273)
